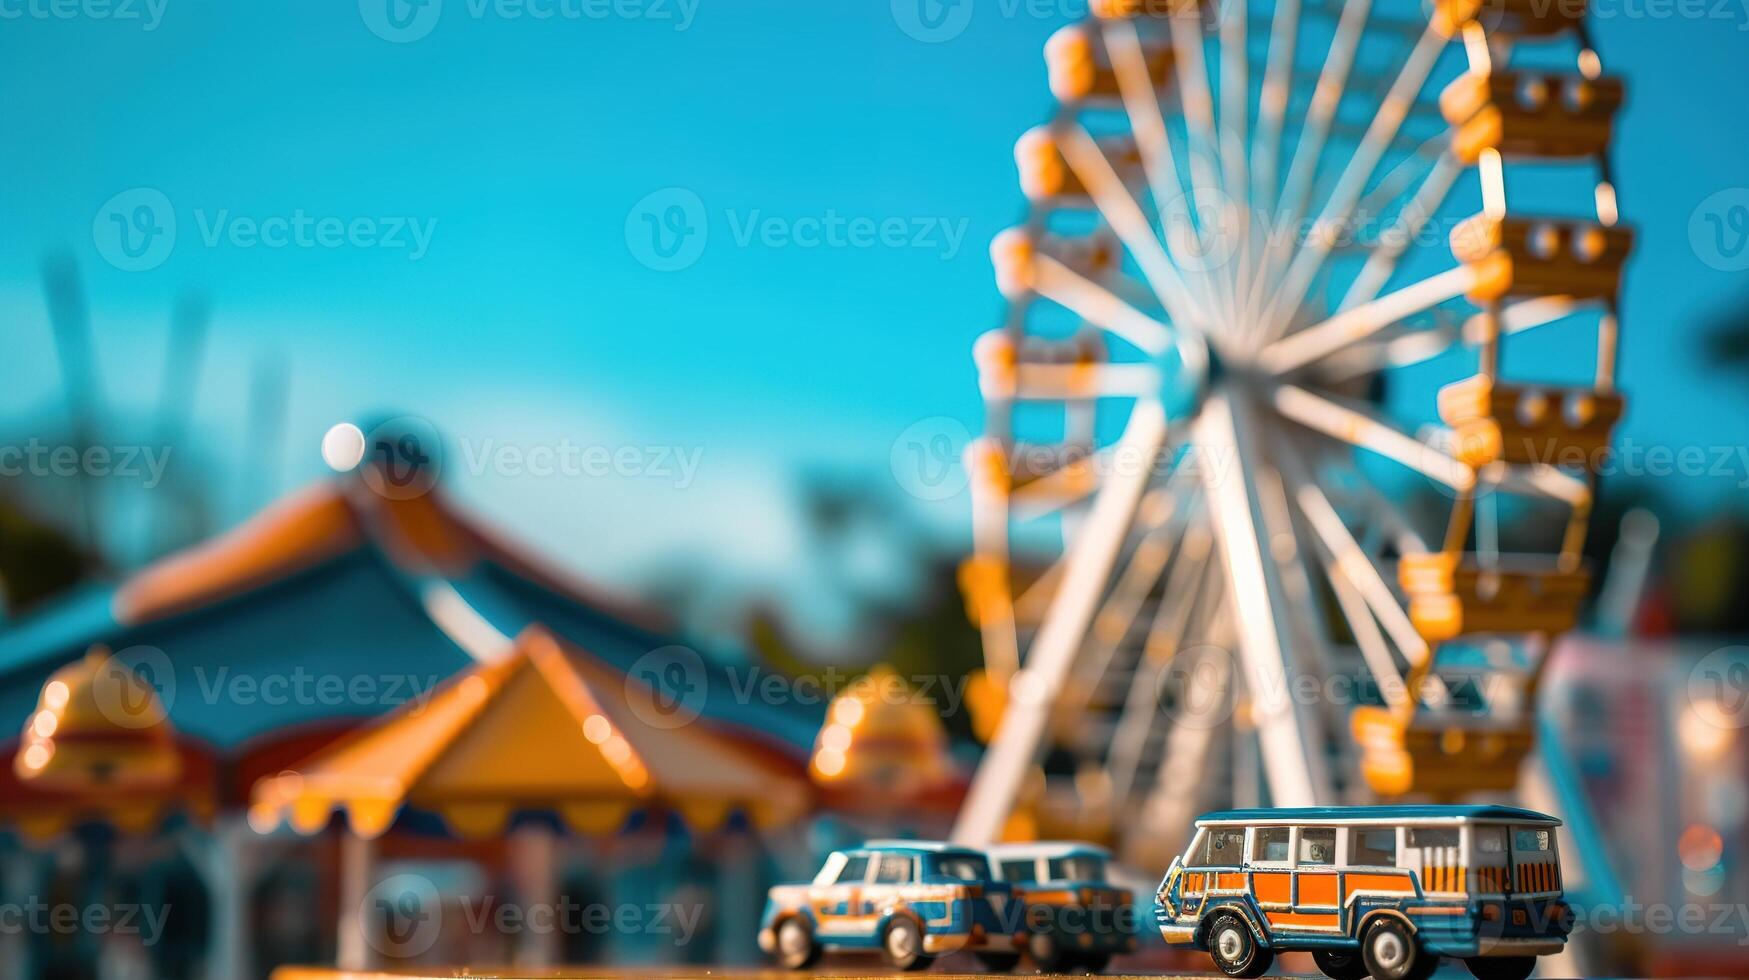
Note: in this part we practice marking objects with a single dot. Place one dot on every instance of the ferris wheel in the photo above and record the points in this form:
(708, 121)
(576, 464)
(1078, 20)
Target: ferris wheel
(1251, 418)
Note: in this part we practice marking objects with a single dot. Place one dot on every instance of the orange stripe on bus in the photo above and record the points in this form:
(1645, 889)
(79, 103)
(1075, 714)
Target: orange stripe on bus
(1302, 920)
(1375, 883)
(1230, 879)
(1318, 889)
(1273, 888)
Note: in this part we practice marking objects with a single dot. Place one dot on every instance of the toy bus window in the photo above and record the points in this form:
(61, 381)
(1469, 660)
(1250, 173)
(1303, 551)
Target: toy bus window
(1318, 845)
(1019, 871)
(1527, 840)
(1491, 840)
(1270, 845)
(855, 869)
(1433, 837)
(963, 868)
(1079, 868)
(1373, 847)
(894, 869)
(1226, 846)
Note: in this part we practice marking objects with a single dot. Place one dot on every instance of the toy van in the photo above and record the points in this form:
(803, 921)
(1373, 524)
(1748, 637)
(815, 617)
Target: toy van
(1381, 891)
(1074, 918)
(909, 900)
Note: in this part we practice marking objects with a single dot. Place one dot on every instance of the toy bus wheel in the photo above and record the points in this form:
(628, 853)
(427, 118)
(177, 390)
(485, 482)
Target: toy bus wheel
(1501, 967)
(1339, 964)
(902, 945)
(1234, 951)
(1047, 951)
(1390, 952)
(999, 962)
(796, 948)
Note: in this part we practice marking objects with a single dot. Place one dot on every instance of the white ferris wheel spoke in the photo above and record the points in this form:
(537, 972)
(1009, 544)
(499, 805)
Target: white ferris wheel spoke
(1284, 33)
(1307, 159)
(1148, 126)
(1355, 176)
(1197, 98)
(1086, 570)
(1125, 216)
(1036, 381)
(1295, 768)
(1296, 350)
(1382, 263)
(1362, 431)
(1099, 306)
(1352, 561)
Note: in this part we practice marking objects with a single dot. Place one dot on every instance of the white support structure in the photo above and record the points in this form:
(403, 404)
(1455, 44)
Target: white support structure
(1288, 732)
(1033, 691)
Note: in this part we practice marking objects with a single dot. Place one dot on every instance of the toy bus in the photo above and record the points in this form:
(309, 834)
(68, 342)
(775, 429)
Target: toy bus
(1074, 917)
(1383, 891)
(909, 900)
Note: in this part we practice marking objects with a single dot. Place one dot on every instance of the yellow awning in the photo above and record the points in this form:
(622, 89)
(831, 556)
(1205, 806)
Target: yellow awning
(546, 728)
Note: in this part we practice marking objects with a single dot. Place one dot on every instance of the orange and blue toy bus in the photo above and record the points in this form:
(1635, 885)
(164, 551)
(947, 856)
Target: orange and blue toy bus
(908, 900)
(1075, 917)
(1380, 891)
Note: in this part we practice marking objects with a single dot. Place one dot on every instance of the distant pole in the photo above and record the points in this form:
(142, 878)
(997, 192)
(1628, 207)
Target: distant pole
(71, 321)
(269, 390)
(188, 324)
(1630, 565)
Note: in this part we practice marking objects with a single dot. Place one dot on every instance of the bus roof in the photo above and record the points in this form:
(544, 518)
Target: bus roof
(1045, 849)
(1405, 813)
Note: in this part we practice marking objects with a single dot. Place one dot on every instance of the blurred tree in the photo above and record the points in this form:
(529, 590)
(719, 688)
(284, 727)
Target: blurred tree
(36, 561)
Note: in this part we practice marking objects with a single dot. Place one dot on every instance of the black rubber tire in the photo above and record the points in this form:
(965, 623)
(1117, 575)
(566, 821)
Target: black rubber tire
(1390, 952)
(800, 956)
(999, 962)
(1094, 962)
(1235, 950)
(1500, 967)
(1339, 964)
(902, 945)
(1048, 951)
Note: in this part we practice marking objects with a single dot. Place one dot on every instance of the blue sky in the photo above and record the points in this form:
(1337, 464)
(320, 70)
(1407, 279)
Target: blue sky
(520, 147)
